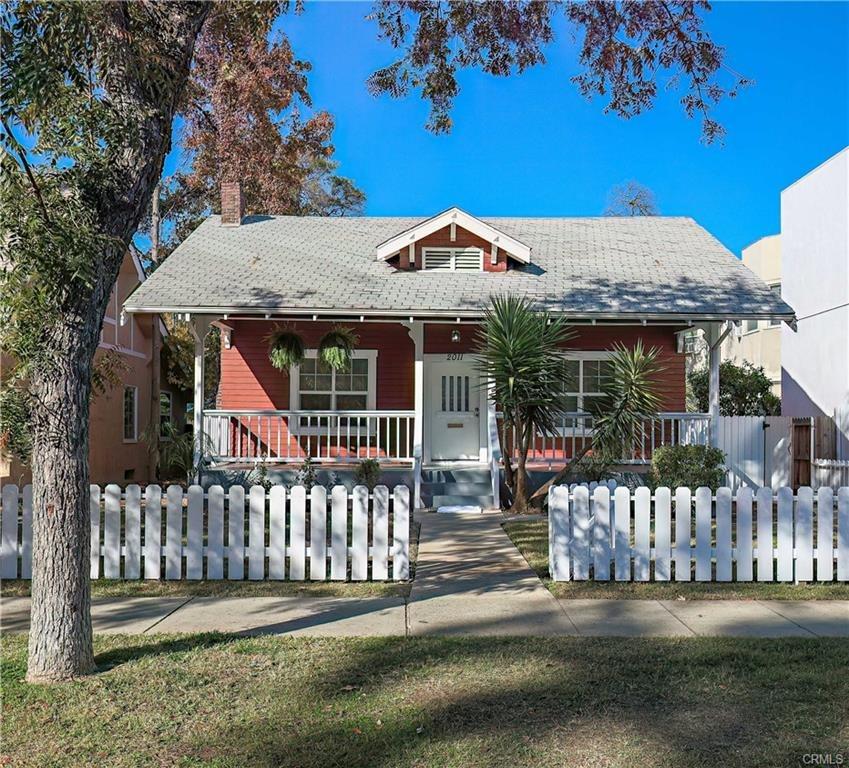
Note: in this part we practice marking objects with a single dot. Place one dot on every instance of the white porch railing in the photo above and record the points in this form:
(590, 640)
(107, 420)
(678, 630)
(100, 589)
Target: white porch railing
(575, 432)
(326, 436)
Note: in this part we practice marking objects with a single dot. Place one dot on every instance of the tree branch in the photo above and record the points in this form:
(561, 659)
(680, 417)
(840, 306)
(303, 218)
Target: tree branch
(22, 158)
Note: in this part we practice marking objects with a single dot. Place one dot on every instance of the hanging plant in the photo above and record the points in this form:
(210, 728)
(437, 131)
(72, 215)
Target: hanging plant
(337, 347)
(285, 348)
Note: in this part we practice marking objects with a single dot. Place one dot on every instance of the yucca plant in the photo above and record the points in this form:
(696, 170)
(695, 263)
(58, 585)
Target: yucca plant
(336, 347)
(629, 399)
(285, 348)
(520, 350)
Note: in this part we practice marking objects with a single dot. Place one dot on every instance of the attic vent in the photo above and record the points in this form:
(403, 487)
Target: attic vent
(453, 259)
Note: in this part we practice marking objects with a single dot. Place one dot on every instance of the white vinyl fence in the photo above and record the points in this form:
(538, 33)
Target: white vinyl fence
(192, 534)
(830, 472)
(753, 536)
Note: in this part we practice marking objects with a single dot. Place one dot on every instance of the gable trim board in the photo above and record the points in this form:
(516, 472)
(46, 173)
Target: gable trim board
(454, 218)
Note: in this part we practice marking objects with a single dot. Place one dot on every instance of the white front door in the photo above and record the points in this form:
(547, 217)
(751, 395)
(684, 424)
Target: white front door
(454, 404)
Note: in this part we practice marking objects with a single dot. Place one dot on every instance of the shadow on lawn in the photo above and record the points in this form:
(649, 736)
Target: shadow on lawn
(727, 702)
(137, 647)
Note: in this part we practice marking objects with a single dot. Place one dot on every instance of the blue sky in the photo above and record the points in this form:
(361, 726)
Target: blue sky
(530, 145)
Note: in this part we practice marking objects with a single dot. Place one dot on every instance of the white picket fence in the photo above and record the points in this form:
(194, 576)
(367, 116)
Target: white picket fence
(830, 472)
(192, 534)
(755, 535)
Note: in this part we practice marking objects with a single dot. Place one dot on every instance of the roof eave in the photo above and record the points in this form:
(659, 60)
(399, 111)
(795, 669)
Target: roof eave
(449, 314)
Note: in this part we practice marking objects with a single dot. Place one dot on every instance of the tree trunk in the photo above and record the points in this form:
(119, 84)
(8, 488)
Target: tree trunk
(520, 494)
(540, 494)
(506, 460)
(144, 85)
(60, 641)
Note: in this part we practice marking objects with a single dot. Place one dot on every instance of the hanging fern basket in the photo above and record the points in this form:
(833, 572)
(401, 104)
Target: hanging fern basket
(285, 349)
(336, 348)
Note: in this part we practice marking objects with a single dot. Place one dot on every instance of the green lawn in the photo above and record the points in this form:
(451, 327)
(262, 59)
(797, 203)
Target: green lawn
(531, 537)
(149, 588)
(217, 700)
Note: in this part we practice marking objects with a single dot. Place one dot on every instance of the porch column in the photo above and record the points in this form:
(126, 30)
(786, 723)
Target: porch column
(713, 390)
(199, 326)
(715, 336)
(416, 332)
(494, 444)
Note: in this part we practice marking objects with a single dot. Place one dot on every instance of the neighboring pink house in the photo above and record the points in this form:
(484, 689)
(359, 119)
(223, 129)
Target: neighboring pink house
(413, 289)
(120, 416)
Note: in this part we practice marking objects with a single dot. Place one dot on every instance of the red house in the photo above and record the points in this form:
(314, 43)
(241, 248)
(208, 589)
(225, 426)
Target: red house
(413, 290)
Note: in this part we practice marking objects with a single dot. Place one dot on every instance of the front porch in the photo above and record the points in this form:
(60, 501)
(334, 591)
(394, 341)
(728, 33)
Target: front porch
(412, 400)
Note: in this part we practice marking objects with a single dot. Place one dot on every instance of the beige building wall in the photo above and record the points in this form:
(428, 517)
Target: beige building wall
(760, 340)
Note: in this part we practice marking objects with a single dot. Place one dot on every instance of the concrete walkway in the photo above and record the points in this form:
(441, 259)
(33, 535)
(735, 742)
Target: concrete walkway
(470, 580)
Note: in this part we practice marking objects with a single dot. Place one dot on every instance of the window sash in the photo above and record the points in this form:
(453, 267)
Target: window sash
(130, 414)
(582, 392)
(336, 391)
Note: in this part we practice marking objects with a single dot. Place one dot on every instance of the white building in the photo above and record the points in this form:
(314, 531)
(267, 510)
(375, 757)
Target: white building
(815, 282)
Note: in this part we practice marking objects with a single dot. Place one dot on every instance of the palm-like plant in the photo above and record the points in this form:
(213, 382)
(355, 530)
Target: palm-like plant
(520, 352)
(629, 399)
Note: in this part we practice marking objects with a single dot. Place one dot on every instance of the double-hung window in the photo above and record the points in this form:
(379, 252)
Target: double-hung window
(131, 414)
(452, 259)
(320, 388)
(586, 374)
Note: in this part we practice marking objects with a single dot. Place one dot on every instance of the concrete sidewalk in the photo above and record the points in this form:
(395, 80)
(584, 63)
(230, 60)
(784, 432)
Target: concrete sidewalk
(453, 615)
(470, 580)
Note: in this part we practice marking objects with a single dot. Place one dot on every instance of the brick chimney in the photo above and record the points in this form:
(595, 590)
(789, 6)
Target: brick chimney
(232, 203)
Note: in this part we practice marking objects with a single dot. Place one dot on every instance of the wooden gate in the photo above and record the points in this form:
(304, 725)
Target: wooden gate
(800, 446)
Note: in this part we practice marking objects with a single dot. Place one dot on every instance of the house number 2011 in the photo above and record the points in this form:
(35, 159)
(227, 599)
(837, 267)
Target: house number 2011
(455, 355)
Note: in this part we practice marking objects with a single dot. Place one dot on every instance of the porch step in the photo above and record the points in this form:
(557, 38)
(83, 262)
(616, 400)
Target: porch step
(460, 488)
(434, 475)
(462, 500)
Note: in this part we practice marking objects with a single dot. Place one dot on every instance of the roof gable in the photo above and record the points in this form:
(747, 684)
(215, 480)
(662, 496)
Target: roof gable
(516, 248)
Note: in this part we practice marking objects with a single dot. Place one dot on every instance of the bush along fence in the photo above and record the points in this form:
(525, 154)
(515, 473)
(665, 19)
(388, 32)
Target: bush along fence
(191, 534)
(753, 536)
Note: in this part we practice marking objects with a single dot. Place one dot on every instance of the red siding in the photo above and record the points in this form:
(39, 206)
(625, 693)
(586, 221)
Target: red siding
(671, 381)
(465, 239)
(248, 380)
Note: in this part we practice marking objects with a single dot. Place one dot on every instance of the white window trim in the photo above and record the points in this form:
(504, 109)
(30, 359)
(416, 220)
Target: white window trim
(453, 252)
(358, 354)
(170, 412)
(586, 356)
(135, 437)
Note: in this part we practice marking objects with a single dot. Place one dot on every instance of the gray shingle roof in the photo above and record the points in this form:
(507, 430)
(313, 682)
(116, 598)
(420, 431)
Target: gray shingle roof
(597, 267)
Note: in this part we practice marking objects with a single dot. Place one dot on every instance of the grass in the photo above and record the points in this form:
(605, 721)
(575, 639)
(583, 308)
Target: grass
(219, 700)
(104, 588)
(531, 538)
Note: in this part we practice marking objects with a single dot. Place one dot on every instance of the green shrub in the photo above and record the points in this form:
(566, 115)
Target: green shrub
(690, 466)
(367, 473)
